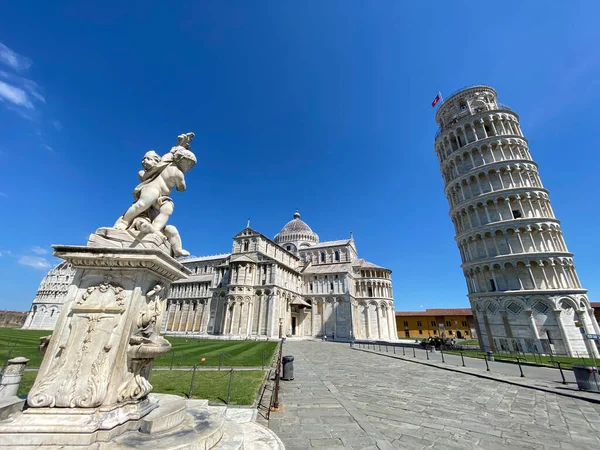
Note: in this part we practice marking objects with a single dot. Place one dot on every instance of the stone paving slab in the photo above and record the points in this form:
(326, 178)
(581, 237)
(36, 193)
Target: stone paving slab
(342, 398)
(540, 378)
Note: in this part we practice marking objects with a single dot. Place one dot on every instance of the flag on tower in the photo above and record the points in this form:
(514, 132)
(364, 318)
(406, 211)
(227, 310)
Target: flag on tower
(437, 98)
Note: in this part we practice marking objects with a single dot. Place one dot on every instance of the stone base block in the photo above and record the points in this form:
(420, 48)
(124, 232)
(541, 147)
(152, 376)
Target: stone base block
(72, 426)
(175, 424)
(111, 238)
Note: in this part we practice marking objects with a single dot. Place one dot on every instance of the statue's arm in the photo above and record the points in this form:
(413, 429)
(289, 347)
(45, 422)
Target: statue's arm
(180, 182)
(141, 175)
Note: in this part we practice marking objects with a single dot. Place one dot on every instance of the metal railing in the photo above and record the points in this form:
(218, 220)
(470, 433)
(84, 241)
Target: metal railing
(275, 397)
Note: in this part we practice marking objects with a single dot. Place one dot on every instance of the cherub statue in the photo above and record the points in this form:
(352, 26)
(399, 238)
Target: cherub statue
(152, 205)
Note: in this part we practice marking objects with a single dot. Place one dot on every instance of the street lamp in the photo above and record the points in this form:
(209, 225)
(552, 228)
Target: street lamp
(280, 328)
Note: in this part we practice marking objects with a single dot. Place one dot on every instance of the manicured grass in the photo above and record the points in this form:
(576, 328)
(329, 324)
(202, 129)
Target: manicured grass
(542, 360)
(189, 352)
(211, 385)
(27, 382)
(185, 352)
(16, 342)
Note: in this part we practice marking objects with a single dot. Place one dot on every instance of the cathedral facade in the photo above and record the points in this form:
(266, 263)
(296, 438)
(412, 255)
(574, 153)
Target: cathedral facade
(293, 285)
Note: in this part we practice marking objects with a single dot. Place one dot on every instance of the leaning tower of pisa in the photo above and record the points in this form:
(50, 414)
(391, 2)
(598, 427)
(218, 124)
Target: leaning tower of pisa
(521, 280)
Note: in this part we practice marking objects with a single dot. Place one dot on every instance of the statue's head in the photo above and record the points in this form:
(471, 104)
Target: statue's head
(183, 158)
(150, 160)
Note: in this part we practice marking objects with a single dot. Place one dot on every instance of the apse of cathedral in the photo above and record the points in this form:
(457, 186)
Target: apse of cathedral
(293, 285)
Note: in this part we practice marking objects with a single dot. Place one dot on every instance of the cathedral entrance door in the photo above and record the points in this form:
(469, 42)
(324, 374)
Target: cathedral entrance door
(294, 325)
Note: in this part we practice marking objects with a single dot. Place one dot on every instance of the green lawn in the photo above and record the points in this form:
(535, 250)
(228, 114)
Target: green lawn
(211, 385)
(185, 352)
(16, 342)
(543, 360)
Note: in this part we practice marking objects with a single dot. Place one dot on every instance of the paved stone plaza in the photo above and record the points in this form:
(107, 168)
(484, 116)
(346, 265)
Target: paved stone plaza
(347, 398)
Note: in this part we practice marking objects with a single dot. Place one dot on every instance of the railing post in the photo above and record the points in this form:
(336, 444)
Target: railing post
(487, 366)
(229, 389)
(172, 358)
(561, 373)
(442, 352)
(403, 351)
(192, 383)
(463, 358)
(221, 356)
(520, 368)
(414, 354)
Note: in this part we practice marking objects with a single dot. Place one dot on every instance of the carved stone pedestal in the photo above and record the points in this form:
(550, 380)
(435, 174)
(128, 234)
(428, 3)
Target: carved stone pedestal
(93, 382)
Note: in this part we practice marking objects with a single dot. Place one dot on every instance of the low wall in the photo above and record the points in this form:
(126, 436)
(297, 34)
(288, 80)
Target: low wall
(12, 319)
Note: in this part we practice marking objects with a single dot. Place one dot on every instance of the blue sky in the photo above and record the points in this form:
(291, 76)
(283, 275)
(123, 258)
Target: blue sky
(321, 106)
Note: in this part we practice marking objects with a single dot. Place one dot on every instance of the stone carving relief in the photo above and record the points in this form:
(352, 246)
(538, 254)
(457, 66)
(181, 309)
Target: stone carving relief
(145, 344)
(68, 381)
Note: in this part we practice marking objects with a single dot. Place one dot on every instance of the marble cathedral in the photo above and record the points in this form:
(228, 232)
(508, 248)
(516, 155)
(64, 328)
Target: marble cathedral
(292, 285)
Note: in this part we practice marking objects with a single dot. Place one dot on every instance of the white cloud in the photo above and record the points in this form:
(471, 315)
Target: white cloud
(57, 124)
(39, 250)
(37, 262)
(50, 149)
(14, 95)
(18, 93)
(3, 194)
(12, 59)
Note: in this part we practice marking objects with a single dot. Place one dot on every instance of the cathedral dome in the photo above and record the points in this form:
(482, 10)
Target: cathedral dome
(297, 231)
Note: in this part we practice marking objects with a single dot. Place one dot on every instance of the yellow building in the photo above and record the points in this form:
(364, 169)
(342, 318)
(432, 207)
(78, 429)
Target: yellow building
(451, 323)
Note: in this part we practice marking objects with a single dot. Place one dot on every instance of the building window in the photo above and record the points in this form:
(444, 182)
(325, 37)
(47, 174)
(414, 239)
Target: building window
(434, 331)
(406, 323)
(464, 323)
(337, 255)
(322, 256)
(288, 248)
(310, 286)
(516, 214)
(419, 323)
(466, 333)
(370, 291)
(492, 285)
(420, 331)
(448, 323)
(433, 324)
(450, 332)
(246, 244)
(331, 285)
